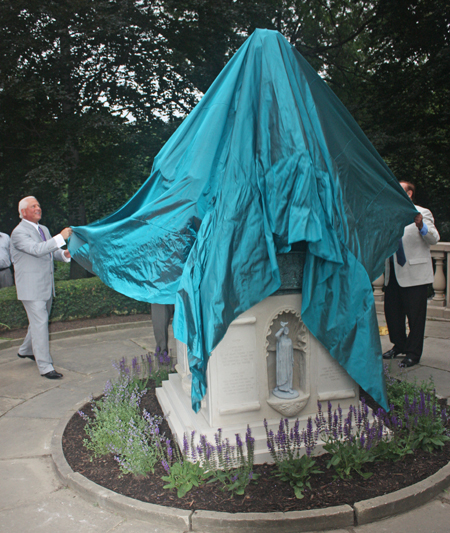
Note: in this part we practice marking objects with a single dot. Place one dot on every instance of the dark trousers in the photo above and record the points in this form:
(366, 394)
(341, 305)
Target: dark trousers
(401, 303)
(161, 315)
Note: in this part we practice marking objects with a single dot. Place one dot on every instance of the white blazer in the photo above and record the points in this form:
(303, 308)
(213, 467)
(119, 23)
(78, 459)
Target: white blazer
(418, 269)
(33, 262)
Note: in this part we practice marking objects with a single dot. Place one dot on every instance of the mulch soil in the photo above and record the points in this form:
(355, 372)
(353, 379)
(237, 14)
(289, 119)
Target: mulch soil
(268, 494)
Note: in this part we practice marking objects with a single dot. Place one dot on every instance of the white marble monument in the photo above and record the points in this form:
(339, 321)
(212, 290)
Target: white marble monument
(242, 377)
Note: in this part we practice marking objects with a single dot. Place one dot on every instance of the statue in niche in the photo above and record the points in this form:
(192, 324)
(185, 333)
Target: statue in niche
(285, 364)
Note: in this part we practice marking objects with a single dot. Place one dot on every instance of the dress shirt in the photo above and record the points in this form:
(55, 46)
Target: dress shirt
(424, 229)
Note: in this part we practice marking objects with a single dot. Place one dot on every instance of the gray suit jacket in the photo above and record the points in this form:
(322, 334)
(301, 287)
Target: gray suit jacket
(418, 269)
(33, 262)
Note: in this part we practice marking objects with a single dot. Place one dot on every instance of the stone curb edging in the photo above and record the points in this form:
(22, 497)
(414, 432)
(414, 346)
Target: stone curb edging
(180, 520)
(9, 343)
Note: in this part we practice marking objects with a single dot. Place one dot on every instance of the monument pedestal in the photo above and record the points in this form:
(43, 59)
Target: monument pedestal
(241, 378)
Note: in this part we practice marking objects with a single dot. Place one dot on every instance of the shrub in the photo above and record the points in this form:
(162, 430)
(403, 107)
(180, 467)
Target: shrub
(118, 427)
(78, 298)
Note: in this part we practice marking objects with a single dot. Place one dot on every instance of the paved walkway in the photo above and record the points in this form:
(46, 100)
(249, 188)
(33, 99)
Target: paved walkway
(31, 496)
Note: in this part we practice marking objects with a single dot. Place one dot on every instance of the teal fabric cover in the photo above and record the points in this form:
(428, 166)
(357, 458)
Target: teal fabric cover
(269, 157)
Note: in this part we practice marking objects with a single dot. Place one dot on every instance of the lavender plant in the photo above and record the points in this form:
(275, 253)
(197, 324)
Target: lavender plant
(398, 389)
(351, 441)
(117, 425)
(415, 418)
(160, 371)
(141, 446)
(184, 471)
(232, 466)
(421, 425)
(294, 465)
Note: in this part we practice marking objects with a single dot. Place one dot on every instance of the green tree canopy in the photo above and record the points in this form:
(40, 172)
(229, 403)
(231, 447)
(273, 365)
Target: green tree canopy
(90, 89)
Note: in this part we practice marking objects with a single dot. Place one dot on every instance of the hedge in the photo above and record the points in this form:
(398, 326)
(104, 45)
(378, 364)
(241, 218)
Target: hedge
(79, 298)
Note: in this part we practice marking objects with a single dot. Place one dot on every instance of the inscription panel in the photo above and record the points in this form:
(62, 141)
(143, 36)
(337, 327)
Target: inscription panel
(331, 375)
(236, 367)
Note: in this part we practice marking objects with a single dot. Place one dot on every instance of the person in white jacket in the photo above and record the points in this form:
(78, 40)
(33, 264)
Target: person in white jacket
(33, 250)
(408, 274)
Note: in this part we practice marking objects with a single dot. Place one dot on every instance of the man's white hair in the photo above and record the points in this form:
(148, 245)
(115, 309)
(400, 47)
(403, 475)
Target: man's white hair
(23, 204)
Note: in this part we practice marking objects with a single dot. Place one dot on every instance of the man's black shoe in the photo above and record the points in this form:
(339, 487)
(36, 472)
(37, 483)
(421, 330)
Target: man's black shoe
(407, 362)
(26, 357)
(52, 375)
(391, 354)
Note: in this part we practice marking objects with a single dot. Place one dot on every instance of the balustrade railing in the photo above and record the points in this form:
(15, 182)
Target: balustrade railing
(439, 305)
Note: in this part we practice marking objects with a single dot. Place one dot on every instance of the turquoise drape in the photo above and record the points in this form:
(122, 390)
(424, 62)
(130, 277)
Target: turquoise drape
(268, 157)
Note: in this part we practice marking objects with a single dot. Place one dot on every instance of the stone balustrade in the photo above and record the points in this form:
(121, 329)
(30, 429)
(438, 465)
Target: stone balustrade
(439, 305)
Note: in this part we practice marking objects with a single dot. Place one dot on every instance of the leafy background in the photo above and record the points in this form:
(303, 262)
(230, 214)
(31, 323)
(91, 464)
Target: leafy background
(91, 90)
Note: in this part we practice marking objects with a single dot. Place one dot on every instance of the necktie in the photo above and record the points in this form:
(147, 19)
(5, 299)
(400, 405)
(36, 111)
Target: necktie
(42, 233)
(401, 257)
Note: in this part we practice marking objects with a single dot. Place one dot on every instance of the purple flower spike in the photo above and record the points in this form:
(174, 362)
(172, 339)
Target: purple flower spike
(165, 466)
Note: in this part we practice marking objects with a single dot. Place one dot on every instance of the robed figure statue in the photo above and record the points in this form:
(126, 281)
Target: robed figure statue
(285, 364)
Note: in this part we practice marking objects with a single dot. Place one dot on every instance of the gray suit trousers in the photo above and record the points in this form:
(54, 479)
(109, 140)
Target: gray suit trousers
(161, 315)
(36, 342)
(6, 278)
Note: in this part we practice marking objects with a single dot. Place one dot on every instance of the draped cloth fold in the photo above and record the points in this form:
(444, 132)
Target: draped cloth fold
(269, 157)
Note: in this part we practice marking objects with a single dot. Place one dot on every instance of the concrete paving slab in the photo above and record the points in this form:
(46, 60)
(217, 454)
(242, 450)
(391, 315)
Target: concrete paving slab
(441, 379)
(7, 355)
(89, 385)
(89, 356)
(62, 511)
(6, 404)
(148, 343)
(137, 526)
(26, 480)
(434, 517)
(21, 380)
(439, 329)
(25, 437)
(51, 404)
(436, 353)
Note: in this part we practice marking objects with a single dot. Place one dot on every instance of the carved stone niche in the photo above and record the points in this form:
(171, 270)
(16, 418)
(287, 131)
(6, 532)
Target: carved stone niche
(301, 379)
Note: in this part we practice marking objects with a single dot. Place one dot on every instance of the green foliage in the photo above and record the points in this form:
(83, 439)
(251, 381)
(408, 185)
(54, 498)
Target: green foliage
(348, 456)
(232, 466)
(119, 427)
(83, 298)
(291, 451)
(62, 271)
(397, 389)
(429, 434)
(235, 480)
(183, 475)
(297, 472)
(415, 417)
(393, 449)
(228, 465)
(80, 128)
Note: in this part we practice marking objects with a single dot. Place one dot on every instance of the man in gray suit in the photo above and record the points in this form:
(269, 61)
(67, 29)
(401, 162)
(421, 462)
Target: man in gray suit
(408, 274)
(32, 252)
